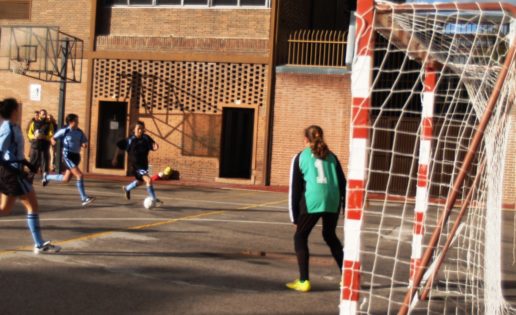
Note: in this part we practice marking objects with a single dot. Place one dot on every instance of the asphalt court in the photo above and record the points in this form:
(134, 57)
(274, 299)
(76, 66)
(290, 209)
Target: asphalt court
(206, 251)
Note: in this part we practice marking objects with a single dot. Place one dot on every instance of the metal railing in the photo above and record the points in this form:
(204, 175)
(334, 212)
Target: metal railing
(320, 48)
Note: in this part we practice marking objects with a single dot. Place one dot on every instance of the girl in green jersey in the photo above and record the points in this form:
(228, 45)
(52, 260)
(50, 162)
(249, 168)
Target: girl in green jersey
(317, 190)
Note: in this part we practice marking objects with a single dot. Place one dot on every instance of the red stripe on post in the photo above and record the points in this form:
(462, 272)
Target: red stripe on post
(355, 201)
(419, 227)
(351, 280)
(361, 125)
(366, 12)
(430, 79)
(415, 264)
(426, 134)
(422, 175)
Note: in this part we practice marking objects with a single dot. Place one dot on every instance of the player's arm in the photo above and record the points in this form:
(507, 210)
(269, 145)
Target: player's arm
(153, 145)
(342, 184)
(5, 134)
(50, 132)
(296, 189)
(84, 140)
(30, 133)
(120, 147)
(59, 135)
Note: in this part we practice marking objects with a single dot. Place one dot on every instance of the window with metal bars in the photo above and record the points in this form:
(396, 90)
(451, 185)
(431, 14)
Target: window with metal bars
(15, 9)
(187, 3)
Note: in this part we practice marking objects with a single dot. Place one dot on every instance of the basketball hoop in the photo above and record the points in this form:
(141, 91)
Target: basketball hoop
(20, 66)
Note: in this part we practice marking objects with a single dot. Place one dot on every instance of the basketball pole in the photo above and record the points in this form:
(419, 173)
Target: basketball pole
(65, 45)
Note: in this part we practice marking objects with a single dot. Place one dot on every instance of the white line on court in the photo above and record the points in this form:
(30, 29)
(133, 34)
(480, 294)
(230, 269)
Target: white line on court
(104, 193)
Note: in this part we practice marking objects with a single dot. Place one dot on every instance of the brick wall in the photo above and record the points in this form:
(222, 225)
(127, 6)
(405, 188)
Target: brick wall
(72, 17)
(182, 22)
(162, 94)
(303, 100)
(184, 44)
(510, 165)
(17, 86)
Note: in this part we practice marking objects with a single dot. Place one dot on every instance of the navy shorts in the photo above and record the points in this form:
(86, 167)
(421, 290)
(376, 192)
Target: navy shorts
(13, 182)
(140, 173)
(71, 159)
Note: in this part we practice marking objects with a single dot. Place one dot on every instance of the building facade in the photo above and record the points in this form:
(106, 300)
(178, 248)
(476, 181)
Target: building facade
(220, 84)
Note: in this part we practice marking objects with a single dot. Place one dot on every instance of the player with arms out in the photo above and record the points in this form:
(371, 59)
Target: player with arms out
(317, 190)
(138, 146)
(13, 181)
(73, 140)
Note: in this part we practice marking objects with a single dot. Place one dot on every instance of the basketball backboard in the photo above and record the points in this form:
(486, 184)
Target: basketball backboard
(40, 52)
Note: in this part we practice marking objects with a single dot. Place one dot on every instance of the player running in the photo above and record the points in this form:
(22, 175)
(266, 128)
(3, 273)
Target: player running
(13, 181)
(73, 140)
(138, 146)
(317, 190)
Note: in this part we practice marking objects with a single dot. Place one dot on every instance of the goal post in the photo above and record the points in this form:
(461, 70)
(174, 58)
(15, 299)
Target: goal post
(432, 89)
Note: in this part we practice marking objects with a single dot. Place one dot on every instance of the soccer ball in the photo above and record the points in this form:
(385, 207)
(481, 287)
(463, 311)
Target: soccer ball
(149, 203)
(168, 171)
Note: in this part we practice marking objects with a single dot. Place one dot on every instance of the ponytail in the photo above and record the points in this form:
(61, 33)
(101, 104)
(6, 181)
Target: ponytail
(314, 134)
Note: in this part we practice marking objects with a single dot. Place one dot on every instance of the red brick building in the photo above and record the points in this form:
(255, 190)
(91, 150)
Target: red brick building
(216, 81)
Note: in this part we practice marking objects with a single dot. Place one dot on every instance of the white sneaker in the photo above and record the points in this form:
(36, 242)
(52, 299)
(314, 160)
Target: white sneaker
(47, 248)
(87, 201)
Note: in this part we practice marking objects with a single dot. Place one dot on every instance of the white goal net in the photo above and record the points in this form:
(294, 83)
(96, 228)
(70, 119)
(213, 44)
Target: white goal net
(443, 84)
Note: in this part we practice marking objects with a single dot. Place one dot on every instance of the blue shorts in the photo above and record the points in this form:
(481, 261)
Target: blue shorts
(140, 173)
(71, 159)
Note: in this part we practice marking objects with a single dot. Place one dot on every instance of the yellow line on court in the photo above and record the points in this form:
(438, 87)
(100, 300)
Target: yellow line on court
(145, 226)
(139, 227)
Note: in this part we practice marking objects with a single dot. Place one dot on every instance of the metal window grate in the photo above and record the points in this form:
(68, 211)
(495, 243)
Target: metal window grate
(180, 86)
(317, 48)
(15, 9)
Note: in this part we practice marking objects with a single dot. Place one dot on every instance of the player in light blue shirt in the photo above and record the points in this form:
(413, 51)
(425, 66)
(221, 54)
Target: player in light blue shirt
(14, 182)
(73, 140)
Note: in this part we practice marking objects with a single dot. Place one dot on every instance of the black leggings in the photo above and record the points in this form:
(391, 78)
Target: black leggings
(306, 223)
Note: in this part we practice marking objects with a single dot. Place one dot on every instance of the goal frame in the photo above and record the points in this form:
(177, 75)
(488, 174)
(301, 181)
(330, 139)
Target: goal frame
(362, 80)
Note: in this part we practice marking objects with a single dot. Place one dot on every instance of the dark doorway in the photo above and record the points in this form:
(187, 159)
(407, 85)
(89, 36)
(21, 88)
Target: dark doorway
(236, 148)
(331, 14)
(111, 128)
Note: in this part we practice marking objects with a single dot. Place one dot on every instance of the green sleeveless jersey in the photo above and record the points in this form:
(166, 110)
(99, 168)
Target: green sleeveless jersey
(322, 193)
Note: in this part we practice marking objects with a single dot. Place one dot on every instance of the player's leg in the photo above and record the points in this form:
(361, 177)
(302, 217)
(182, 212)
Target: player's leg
(70, 161)
(34, 157)
(45, 161)
(77, 173)
(150, 188)
(30, 203)
(330, 221)
(127, 189)
(305, 225)
(6, 204)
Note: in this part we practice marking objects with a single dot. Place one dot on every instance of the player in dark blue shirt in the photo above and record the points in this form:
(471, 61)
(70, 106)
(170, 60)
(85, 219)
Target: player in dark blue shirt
(73, 139)
(138, 147)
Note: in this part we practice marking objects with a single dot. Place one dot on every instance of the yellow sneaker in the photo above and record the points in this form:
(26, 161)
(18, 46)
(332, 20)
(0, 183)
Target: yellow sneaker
(297, 285)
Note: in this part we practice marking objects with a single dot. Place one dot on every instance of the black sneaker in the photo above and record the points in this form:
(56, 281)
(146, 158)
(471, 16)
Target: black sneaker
(127, 193)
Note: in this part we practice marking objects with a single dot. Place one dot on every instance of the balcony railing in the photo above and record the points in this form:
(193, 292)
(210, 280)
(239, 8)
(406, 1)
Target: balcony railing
(318, 48)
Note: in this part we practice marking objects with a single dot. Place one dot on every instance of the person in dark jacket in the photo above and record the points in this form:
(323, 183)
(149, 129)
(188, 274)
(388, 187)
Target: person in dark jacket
(41, 131)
